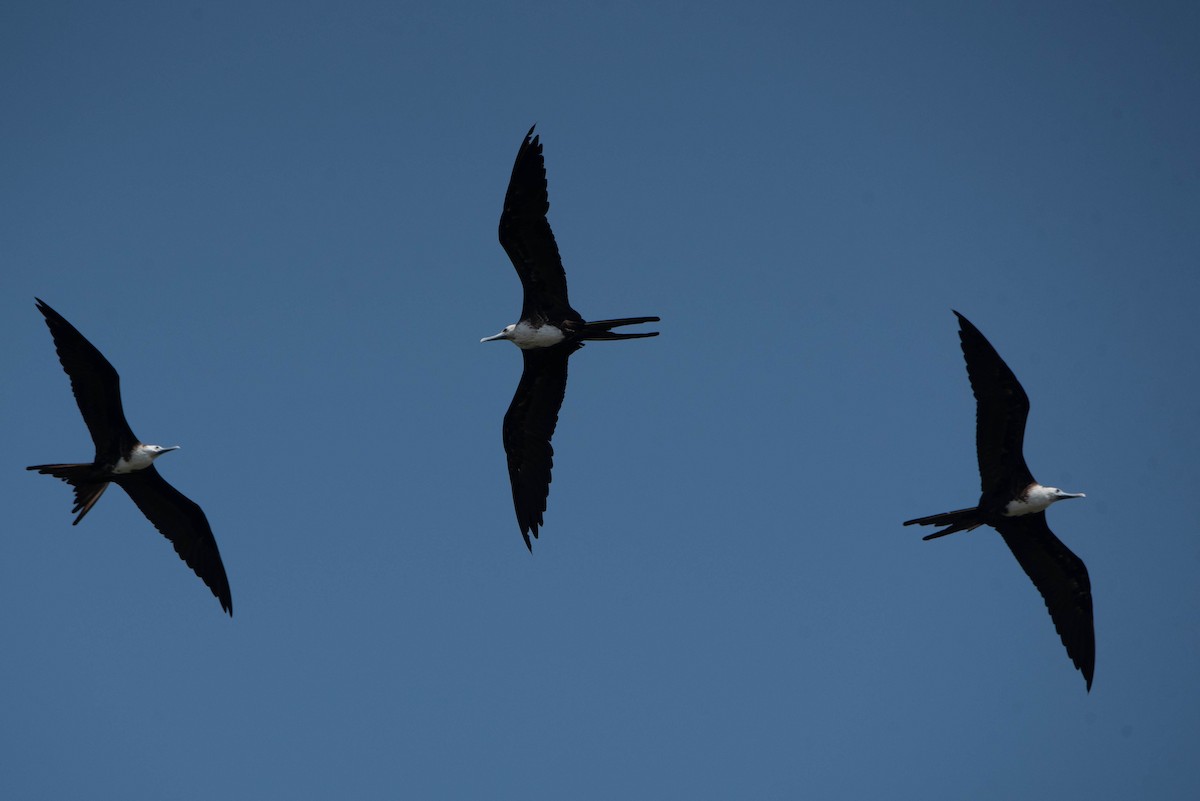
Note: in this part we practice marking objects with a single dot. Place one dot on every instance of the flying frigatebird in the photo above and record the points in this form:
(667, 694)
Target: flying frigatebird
(548, 332)
(1014, 504)
(122, 459)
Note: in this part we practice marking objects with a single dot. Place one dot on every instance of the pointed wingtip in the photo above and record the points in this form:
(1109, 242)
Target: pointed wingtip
(526, 532)
(963, 323)
(221, 591)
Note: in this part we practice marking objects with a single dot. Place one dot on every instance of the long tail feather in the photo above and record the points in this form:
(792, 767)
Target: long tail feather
(606, 335)
(602, 329)
(958, 520)
(82, 478)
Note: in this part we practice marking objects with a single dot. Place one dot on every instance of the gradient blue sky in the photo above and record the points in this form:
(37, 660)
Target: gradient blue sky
(278, 221)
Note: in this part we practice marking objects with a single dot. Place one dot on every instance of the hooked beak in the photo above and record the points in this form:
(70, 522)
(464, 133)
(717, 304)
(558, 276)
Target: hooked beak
(171, 448)
(494, 337)
(1069, 495)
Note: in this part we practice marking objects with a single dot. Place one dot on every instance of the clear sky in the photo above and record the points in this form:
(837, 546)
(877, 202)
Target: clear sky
(278, 222)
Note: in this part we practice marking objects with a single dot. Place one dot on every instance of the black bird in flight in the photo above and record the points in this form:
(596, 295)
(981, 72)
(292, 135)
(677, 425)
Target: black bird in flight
(548, 332)
(1014, 504)
(122, 459)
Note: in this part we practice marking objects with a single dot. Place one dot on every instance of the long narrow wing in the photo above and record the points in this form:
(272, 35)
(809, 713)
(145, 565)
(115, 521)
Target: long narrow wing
(96, 386)
(1000, 413)
(526, 236)
(1062, 579)
(182, 522)
(528, 426)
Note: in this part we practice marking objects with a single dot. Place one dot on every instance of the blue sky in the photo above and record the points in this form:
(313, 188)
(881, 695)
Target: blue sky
(278, 221)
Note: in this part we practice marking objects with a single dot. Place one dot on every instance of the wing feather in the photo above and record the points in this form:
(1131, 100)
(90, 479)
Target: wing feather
(526, 236)
(528, 427)
(1062, 579)
(95, 384)
(184, 523)
(1000, 413)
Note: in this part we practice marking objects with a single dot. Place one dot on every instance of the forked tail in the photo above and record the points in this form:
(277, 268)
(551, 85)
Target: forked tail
(601, 329)
(82, 478)
(958, 520)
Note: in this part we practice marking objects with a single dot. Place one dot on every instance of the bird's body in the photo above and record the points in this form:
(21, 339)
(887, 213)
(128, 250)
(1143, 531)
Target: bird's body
(141, 457)
(549, 331)
(1013, 503)
(527, 336)
(124, 460)
(1034, 498)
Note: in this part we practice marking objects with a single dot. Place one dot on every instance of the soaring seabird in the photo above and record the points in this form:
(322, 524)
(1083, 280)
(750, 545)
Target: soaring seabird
(1014, 504)
(122, 459)
(548, 332)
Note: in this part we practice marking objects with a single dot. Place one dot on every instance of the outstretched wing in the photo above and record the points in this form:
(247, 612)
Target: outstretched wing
(1061, 578)
(526, 236)
(529, 425)
(1000, 413)
(96, 386)
(182, 522)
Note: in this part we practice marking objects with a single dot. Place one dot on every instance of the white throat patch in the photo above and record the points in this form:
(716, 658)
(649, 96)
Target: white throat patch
(141, 458)
(1037, 499)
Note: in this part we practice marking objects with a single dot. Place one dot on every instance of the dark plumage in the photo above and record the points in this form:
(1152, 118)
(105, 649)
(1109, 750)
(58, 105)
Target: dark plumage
(97, 391)
(1059, 575)
(528, 427)
(549, 331)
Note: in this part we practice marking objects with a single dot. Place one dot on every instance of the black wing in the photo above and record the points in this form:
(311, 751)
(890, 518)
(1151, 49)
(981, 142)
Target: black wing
(182, 522)
(529, 425)
(1062, 579)
(1001, 410)
(96, 386)
(526, 236)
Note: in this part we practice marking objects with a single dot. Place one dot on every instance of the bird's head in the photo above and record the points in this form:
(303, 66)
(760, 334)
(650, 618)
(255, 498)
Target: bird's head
(1059, 495)
(156, 451)
(507, 333)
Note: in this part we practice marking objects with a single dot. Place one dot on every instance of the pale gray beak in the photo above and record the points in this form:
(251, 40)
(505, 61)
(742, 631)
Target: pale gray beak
(501, 335)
